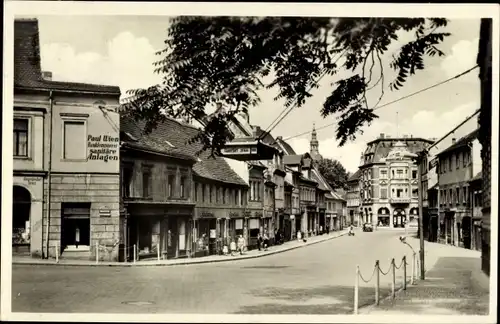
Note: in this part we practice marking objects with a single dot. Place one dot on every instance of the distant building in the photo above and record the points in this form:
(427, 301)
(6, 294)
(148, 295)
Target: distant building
(353, 199)
(388, 181)
(457, 166)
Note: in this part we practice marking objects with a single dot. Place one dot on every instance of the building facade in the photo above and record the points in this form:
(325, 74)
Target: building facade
(353, 199)
(485, 125)
(388, 182)
(457, 166)
(476, 206)
(66, 158)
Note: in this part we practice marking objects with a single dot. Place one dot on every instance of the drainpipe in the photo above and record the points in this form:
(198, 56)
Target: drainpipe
(49, 173)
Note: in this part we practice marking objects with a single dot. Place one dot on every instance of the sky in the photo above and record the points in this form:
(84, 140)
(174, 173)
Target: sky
(120, 50)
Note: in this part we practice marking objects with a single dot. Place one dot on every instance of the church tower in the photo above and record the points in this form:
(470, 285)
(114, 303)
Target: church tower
(314, 145)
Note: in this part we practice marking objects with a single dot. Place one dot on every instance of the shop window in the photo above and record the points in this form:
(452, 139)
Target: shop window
(74, 140)
(20, 137)
(21, 216)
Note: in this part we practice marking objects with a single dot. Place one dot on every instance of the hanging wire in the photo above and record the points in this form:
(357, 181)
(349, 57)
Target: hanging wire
(397, 100)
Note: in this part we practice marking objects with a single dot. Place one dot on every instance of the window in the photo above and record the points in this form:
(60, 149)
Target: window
(383, 193)
(413, 174)
(203, 193)
(170, 186)
(75, 144)
(183, 187)
(146, 182)
(20, 137)
(450, 196)
(383, 174)
(127, 181)
(457, 195)
(464, 195)
(236, 194)
(465, 157)
(449, 163)
(457, 160)
(210, 193)
(224, 195)
(399, 174)
(195, 192)
(414, 193)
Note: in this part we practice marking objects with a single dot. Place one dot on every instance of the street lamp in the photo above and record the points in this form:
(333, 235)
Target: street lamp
(403, 240)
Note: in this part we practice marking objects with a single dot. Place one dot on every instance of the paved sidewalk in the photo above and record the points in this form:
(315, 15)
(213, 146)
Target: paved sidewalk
(454, 285)
(208, 259)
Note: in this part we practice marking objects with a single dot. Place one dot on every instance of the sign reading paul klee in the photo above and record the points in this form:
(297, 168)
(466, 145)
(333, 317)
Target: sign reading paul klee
(103, 147)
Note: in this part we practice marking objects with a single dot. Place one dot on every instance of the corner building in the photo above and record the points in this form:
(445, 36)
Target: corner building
(388, 182)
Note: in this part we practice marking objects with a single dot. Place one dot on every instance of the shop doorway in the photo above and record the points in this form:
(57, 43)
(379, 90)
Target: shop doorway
(399, 218)
(75, 227)
(21, 210)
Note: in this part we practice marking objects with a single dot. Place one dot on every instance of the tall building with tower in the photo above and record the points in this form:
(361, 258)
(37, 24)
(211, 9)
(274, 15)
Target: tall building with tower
(314, 145)
(388, 183)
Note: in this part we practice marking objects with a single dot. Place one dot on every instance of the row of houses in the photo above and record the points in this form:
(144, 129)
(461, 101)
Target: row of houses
(88, 179)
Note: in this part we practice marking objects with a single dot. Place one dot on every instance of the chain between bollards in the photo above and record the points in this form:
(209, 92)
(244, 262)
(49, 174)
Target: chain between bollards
(393, 287)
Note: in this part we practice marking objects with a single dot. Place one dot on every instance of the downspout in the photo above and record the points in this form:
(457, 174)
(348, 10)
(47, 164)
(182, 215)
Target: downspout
(49, 174)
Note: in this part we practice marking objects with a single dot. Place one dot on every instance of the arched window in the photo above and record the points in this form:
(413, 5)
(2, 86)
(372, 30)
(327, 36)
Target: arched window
(21, 209)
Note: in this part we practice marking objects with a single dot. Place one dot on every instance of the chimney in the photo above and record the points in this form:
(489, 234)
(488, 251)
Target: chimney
(453, 140)
(46, 75)
(382, 135)
(279, 138)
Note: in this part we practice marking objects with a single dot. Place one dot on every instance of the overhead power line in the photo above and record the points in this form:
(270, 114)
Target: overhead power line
(279, 118)
(397, 100)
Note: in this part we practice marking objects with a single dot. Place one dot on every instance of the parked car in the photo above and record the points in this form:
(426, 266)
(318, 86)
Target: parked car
(367, 227)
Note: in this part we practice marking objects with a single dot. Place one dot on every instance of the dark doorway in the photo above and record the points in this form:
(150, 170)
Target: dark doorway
(75, 226)
(21, 210)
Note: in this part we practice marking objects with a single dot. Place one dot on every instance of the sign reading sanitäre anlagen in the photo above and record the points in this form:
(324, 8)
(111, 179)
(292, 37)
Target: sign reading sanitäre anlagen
(103, 147)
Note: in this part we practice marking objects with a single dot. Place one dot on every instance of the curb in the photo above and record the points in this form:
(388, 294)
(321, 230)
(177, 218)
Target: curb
(128, 264)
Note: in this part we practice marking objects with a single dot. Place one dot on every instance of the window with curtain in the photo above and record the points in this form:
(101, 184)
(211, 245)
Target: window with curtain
(20, 137)
(74, 140)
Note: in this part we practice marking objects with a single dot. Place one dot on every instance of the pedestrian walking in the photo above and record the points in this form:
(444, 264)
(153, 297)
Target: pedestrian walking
(241, 244)
(77, 237)
(259, 241)
(266, 241)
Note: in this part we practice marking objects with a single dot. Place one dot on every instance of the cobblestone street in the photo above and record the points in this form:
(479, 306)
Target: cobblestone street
(316, 279)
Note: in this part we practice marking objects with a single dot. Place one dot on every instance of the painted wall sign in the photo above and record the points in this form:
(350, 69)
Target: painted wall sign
(103, 147)
(32, 180)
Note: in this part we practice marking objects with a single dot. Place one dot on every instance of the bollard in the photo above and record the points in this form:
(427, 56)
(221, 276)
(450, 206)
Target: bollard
(356, 290)
(377, 282)
(413, 269)
(57, 252)
(96, 252)
(158, 251)
(393, 292)
(135, 252)
(404, 272)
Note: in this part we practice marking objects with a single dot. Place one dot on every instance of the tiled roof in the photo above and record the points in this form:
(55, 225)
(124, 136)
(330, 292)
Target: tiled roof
(461, 142)
(173, 133)
(478, 176)
(285, 146)
(355, 176)
(381, 147)
(323, 185)
(27, 63)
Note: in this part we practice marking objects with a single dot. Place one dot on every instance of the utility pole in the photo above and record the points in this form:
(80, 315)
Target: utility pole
(420, 160)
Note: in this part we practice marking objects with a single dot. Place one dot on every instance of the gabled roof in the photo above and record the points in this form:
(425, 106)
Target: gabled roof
(355, 176)
(478, 176)
(461, 142)
(323, 185)
(285, 146)
(172, 137)
(27, 64)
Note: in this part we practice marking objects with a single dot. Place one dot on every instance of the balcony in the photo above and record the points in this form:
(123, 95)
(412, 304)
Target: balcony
(400, 200)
